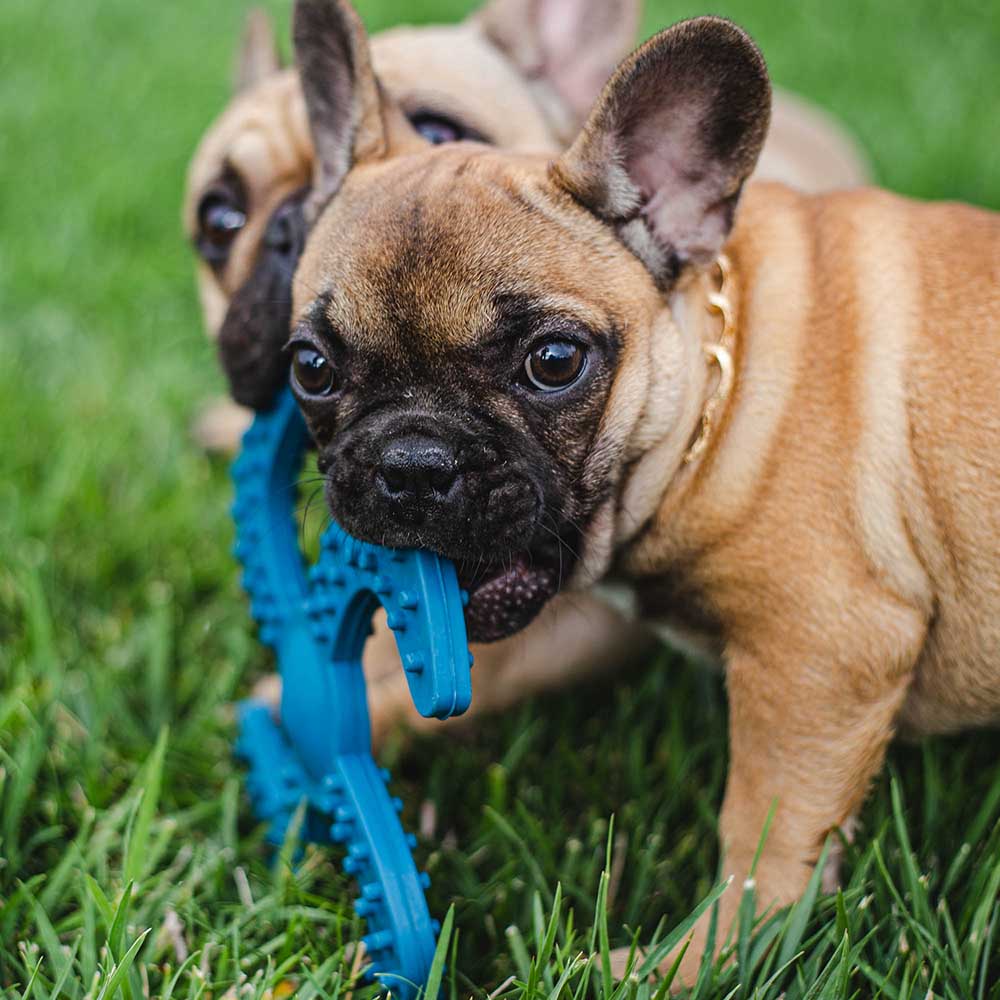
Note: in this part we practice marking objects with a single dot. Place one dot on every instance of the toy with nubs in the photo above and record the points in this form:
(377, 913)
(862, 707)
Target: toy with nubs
(317, 620)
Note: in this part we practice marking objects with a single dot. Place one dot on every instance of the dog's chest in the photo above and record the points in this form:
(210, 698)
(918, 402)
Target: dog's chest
(672, 611)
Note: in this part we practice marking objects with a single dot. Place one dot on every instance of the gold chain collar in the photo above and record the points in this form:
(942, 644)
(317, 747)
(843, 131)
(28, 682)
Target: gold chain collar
(721, 354)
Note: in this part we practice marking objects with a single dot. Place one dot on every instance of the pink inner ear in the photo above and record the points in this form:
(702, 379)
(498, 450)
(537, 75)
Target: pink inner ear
(582, 41)
(681, 186)
(558, 21)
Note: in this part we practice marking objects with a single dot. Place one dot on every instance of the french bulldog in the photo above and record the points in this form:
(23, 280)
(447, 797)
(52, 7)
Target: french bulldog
(519, 74)
(247, 178)
(775, 416)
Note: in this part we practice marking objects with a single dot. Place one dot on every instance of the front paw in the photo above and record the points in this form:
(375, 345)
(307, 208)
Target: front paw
(693, 948)
(219, 427)
(268, 691)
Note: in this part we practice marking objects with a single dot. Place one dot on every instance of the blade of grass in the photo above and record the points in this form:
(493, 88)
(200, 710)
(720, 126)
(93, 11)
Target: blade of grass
(119, 974)
(433, 985)
(150, 783)
(802, 910)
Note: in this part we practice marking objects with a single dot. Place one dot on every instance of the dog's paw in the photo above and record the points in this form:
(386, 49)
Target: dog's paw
(268, 690)
(220, 426)
(834, 859)
(620, 964)
(687, 972)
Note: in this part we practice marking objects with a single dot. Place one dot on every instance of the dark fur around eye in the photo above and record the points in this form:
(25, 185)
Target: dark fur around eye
(222, 214)
(255, 330)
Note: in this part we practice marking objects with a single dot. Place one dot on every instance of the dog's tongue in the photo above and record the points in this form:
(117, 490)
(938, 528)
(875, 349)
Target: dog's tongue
(506, 602)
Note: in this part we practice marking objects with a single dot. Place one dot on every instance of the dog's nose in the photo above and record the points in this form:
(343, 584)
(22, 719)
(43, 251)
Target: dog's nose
(416, 470)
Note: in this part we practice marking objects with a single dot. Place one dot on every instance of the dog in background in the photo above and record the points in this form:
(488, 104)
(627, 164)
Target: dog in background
(519, 74)
(775, 416)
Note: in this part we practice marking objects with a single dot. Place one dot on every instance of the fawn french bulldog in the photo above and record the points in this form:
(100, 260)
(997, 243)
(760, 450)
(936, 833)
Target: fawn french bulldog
(774, 415)
(519, 74)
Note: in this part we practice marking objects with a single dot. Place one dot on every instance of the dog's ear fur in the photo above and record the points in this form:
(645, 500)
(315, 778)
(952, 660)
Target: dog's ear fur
(259, 57)
(572, 45)
(342, 94)
(672, 139)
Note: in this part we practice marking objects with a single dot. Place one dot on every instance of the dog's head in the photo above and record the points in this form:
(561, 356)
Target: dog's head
(484, 341)
(519, 75)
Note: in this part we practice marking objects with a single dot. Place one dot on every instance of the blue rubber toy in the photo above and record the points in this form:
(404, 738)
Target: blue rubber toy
(317, 621)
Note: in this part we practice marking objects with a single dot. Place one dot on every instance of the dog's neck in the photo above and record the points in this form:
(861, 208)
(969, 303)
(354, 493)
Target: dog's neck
(669, 510)
(702, 323)
(664, 509)
(690, 369)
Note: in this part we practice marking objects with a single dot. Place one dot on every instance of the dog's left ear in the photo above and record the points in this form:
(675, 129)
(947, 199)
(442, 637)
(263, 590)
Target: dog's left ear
(676, 132)
(572, 45)
(349, 117)
(259, 57)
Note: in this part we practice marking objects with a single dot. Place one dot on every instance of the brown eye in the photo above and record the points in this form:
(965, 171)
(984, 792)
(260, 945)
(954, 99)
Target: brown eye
(312, 372)
(555, 365)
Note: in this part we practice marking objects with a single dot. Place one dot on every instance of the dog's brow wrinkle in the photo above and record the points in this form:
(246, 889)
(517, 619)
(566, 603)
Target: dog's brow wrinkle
(320, 308)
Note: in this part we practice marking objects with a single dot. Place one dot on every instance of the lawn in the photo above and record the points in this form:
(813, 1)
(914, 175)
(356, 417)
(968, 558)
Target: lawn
(124, 638)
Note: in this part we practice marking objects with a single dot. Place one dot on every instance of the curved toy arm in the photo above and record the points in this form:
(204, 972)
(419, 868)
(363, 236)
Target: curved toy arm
(424, 609)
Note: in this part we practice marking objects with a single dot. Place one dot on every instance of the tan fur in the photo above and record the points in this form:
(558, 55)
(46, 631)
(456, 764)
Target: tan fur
(450, 69)
(843, 531)
(838, 539)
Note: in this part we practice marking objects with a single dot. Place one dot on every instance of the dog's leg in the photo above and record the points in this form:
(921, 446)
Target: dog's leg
(577, 636)
(808, 733)
(220, 426)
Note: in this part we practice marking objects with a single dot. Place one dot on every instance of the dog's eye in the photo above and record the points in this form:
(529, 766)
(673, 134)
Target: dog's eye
(555, 364)
(313, 374)
(221, 217)
(437, 129)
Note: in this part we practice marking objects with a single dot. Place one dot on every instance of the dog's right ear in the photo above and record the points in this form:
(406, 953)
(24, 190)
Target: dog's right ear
(666, 150)
(259, 57)
(342, 95)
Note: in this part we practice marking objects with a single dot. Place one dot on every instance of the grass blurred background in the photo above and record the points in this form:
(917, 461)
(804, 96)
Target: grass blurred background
(120, 612)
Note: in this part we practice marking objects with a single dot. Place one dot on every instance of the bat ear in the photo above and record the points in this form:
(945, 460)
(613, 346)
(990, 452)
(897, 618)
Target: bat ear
(569, 46)
(258, 56)
(349, 117)
(674, 135)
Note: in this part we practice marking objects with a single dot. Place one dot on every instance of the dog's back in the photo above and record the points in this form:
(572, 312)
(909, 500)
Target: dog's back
(953, 405)
(883, 389)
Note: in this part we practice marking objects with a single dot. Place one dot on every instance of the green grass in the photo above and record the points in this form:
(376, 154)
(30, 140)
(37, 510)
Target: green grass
(124, 638)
